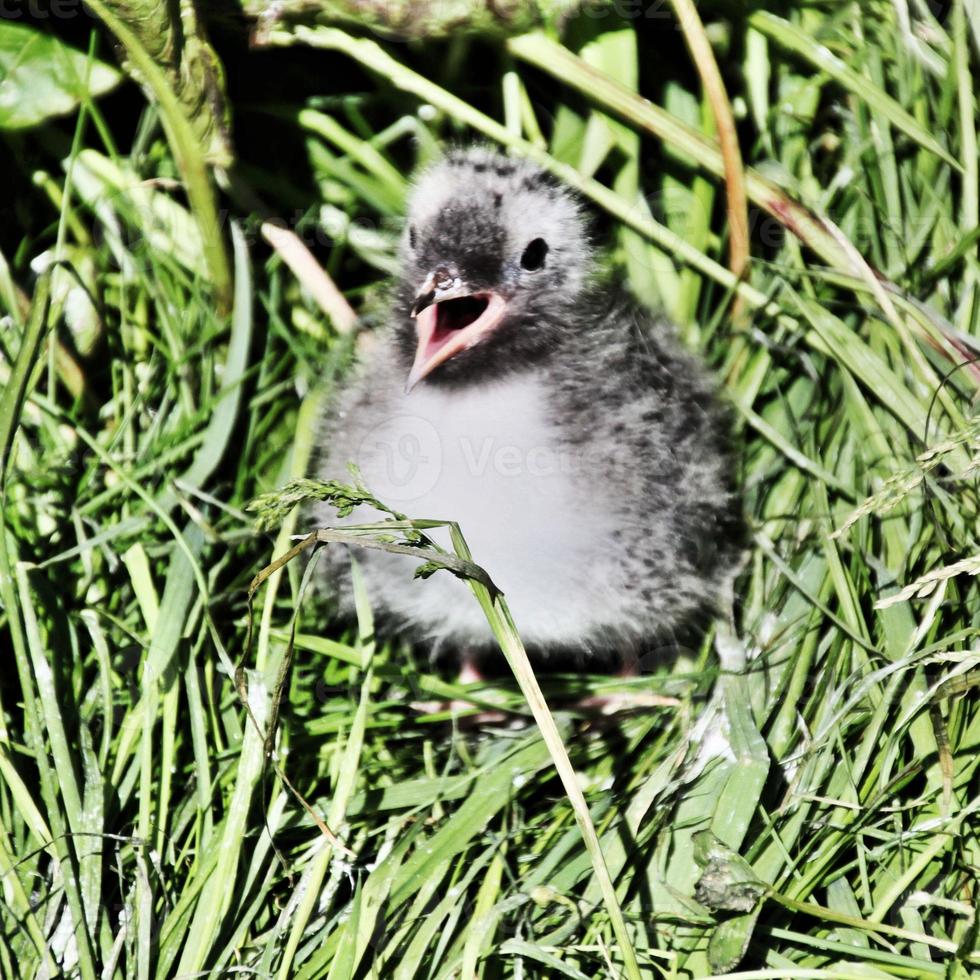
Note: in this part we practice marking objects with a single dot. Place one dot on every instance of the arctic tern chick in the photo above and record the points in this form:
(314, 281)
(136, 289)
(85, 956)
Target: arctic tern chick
(581, 451)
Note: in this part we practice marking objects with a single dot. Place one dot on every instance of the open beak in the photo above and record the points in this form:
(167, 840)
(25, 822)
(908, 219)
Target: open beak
(449, 318)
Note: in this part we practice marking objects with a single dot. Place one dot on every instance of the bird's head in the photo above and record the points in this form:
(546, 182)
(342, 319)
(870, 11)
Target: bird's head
(494, 259)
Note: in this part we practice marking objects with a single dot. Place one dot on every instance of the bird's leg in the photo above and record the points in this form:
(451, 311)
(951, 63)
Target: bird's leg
(469, 673)
(616, 701)
(469, 669)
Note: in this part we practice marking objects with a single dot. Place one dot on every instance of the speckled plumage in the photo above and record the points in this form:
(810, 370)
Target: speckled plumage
(582, 451)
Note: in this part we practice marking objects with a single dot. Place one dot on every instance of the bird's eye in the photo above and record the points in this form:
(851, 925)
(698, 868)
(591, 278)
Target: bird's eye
(411, 236)
(533, 257)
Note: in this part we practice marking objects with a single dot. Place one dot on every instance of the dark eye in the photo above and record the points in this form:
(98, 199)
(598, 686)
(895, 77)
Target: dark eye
(411, 236)
(533, 257)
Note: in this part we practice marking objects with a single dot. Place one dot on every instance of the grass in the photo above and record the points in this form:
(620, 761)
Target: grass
(808, 805)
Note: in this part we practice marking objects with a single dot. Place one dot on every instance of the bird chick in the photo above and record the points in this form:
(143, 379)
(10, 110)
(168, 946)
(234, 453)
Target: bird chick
(581, 451)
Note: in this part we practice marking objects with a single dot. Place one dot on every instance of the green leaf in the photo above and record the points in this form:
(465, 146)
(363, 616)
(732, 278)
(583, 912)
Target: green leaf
(730, 940)
(193, 131)
(173, 37)
(793, 38)
(41, 77)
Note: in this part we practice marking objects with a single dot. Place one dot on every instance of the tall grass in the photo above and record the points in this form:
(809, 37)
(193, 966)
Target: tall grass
(807, 804)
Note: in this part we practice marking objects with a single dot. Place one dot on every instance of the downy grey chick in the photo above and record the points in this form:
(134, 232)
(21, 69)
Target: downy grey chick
(580, 449)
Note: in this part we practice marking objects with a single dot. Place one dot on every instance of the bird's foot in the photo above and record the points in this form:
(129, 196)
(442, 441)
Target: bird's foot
(466, 712)
(479, 712)
(620, 702)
